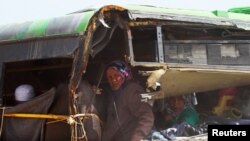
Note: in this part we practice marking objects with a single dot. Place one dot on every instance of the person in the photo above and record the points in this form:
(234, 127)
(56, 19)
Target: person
(179, 118)
(23, 93)
(181, 110)
(128, 118)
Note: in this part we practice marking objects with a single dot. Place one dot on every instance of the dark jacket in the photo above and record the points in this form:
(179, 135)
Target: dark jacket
(132, 120)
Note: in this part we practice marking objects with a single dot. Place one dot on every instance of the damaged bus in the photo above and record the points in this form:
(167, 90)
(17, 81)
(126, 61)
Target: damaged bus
(171, 51)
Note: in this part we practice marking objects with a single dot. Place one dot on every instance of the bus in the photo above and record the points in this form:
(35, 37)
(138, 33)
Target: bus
(171, 51)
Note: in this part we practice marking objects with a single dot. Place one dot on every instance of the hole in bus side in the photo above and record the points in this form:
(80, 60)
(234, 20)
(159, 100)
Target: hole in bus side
(40, 74)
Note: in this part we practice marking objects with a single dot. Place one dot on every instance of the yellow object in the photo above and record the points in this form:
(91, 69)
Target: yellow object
(43, 116)
(234, 113)
(222, 104)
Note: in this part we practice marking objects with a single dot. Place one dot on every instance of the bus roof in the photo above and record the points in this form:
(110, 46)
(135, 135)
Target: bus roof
(77, 22)
(245, 10)
(64, 25)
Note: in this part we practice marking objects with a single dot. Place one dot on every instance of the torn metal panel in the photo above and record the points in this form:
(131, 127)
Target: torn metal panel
(193, 16)
(104, 29)
(80, 64)
(179, 82)
(154, 77)
(111, 7)
(175, 17)
(101, 38)
(193, 19)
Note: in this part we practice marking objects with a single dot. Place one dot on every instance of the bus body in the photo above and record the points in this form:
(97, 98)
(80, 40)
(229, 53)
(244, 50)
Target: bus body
(183, 51)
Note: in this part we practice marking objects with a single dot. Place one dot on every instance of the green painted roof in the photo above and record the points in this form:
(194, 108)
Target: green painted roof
(216, 17)
(64, 25)
(76, 23)
(191, 12)
(163, 10)
(244, 10)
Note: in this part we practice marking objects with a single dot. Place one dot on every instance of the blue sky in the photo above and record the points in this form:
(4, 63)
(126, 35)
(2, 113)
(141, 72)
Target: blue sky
(23, 10)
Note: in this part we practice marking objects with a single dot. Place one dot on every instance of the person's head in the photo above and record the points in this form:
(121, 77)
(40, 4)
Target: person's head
(24, 93)
(117, 72)
(177, 103)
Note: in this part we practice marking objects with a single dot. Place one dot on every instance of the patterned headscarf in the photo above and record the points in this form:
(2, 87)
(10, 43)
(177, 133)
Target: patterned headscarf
(122, 67)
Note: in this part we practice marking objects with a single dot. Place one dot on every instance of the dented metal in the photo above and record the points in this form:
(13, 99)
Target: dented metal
(181, 82)
(85, 34)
